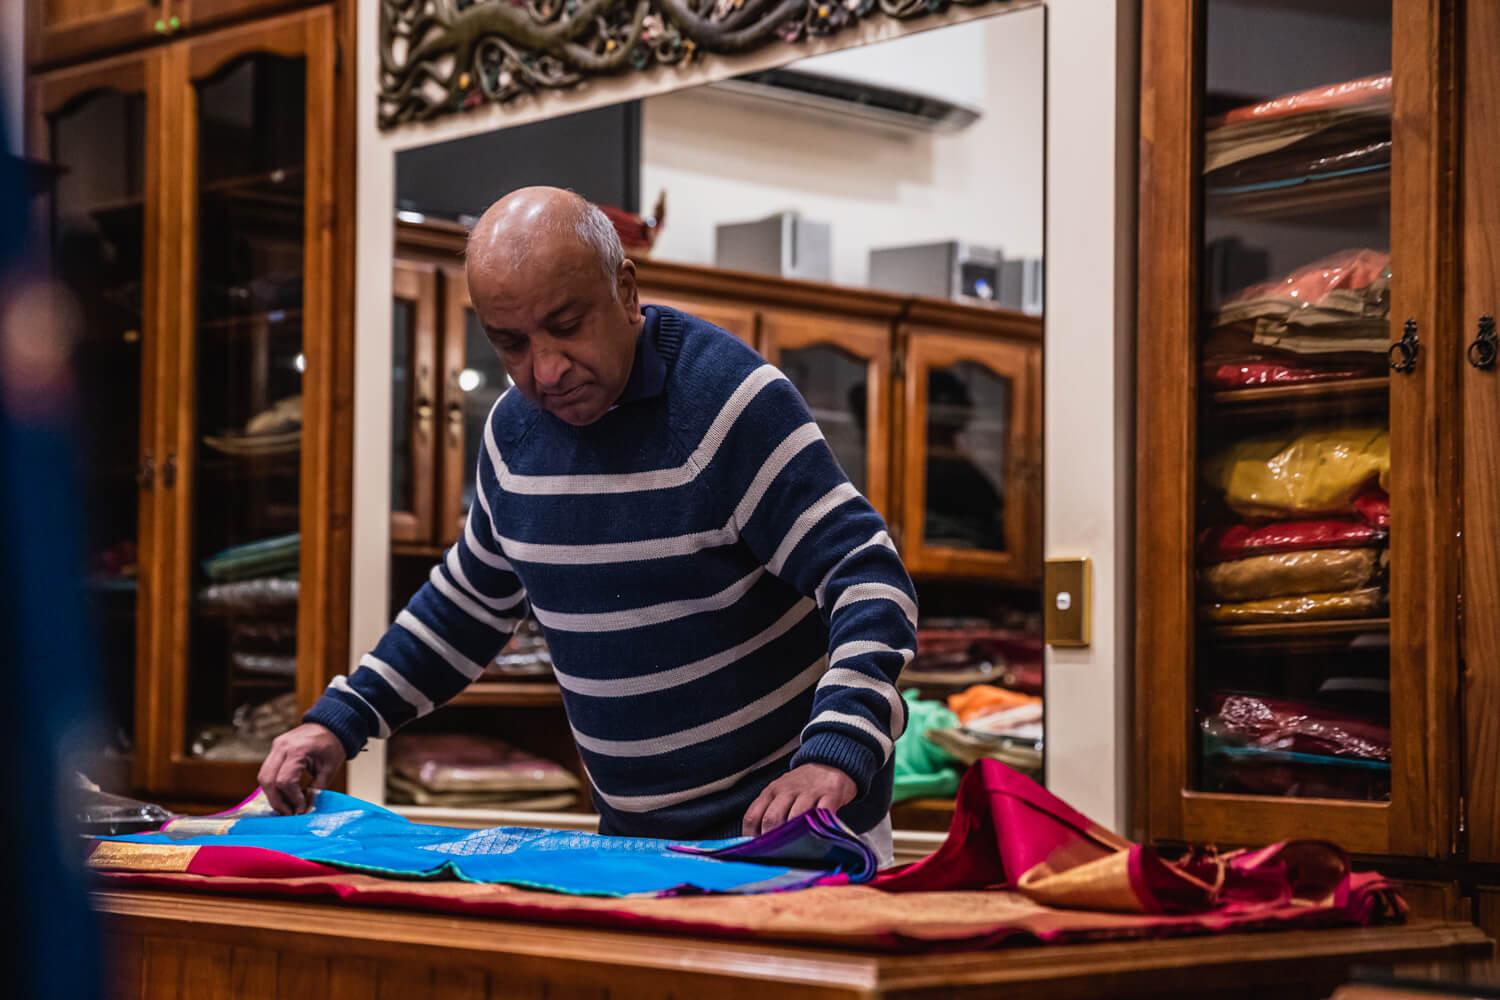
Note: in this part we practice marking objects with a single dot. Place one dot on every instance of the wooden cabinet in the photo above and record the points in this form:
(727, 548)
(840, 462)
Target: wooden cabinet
(198, 231)
(414, 378)
(843, 369)
(66, 30)
(1316, 499)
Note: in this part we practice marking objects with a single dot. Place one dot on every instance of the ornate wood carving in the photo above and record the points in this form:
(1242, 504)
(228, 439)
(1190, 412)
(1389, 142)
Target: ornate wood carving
(442, 56)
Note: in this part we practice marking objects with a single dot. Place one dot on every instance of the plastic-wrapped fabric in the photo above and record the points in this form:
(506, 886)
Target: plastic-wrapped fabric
(1374, 506)
(1314, 472)
(1252, 370)
(1366, 602)
(922, 767)
(100, 814)
(403, 791)
(1250, 771)
(1333, 116)
(460, 762)
(1237, 541)
(982, 699)
(1295, 727)
(1285, 574)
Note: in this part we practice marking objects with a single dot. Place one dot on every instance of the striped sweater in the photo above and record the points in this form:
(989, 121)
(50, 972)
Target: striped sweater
(721, 603)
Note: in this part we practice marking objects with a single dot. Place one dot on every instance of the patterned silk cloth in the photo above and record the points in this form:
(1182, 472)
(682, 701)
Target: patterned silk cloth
(349, 834)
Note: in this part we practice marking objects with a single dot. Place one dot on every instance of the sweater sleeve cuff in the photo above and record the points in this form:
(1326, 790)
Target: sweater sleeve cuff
(846, 753)
(341, 720)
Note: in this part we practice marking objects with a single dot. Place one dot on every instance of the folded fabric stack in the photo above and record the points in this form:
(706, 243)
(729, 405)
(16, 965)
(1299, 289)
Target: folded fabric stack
(265, 596)
(275, 431)
(267, 557)
(1274, 746)
(526, 656)
(248, 737)
(923, 768)
(1325, 556)
(459, 770)
(1326, 133)
(957, 654)
(996, 724)
(1325, 320)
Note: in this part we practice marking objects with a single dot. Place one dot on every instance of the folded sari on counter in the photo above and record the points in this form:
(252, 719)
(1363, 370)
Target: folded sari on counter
(1018, 866)
(343, 833)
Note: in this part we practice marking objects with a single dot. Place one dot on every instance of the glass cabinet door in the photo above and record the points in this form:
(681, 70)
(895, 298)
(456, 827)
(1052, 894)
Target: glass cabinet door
(93, 127)
(1291, 491)
(413, 406)
(66, 30)
(842, 369)
(253, 353)
(968, 415)
(473, 379)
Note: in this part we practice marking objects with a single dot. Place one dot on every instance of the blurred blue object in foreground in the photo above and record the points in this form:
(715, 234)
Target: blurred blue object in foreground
(52, 947)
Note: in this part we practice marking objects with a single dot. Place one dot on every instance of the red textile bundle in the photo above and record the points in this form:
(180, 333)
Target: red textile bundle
(1244, 374)
(1018, 864)
(1299, 727)
(1238, 541)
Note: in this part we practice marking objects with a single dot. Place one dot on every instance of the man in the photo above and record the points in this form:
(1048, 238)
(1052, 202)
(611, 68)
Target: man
(726, 614)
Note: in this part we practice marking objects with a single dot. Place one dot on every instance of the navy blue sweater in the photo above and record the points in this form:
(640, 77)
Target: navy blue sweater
(720, 602)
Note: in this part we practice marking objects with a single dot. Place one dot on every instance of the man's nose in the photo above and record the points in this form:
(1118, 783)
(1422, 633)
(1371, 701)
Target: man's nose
(549, 367)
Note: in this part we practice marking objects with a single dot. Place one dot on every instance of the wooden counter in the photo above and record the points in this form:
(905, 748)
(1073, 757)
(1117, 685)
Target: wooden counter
(168, 944)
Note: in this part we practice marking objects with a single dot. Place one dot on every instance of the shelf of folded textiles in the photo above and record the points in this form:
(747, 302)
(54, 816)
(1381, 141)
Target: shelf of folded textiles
(1292, 630)
(1300, 199)
(1330, 397)
(510, 694)
(932, 814)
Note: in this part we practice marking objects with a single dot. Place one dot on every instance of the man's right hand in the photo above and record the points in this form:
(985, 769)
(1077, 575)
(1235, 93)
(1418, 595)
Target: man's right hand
(310, 749)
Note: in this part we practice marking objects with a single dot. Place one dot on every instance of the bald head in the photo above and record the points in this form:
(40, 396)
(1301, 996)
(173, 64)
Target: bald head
(549, 281)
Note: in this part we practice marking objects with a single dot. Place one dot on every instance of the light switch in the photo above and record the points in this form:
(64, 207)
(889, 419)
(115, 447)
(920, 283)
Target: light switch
(1065, 603)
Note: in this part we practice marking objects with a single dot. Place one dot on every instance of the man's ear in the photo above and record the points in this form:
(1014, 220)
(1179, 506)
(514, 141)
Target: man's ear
(627, 291)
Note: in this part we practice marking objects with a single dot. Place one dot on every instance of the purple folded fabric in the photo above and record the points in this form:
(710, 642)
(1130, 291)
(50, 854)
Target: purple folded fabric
(816, 840)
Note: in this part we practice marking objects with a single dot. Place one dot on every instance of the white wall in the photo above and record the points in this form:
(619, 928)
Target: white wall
(12, 68)
(722, 159)
(1089, 414)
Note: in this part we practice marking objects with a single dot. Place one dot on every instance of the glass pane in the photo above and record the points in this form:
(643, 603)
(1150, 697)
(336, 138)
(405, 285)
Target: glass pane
(248, 407)
(403, 383)
(833, 382)
(97, 244)
(968, 441)
(1293, 663)
(481, 380)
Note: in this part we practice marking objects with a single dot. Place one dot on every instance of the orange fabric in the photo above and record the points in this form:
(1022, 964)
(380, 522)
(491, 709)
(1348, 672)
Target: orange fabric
(982, 699)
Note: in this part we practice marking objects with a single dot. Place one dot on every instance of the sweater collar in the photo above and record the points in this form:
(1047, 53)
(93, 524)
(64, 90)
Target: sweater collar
(648, 373)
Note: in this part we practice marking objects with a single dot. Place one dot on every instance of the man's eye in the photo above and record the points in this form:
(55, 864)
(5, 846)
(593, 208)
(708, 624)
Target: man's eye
(510, 345)
(569, 326)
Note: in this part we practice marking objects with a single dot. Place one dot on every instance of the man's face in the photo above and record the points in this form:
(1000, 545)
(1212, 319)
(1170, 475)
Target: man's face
(563, 330)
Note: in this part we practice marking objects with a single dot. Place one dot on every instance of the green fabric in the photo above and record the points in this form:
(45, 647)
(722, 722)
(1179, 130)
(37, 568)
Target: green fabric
(922, 767)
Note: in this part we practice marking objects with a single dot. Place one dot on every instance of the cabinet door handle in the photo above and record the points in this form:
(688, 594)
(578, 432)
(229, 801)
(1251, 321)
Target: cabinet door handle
(424, 417)
(455, 423)
(145, 473)
(169, 470)
(1485, 345)
(1403, 353)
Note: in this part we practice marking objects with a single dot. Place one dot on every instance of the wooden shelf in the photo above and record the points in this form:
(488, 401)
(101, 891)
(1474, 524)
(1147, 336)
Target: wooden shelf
(1306, 399)
(287, 320)
(511, 694)
(1310, 197)
(1298, 630)
(929, 814)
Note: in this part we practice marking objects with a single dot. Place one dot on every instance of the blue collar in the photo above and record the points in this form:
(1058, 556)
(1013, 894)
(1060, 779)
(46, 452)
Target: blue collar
(648, 374)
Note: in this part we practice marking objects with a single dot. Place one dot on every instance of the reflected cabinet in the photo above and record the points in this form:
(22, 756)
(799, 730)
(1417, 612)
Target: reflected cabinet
(1318, 532)
(192, 223)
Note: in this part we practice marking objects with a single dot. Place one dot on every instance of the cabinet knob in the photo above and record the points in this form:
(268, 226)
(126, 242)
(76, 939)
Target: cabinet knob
(455, 423)
(1403, 353)
(1485, 345)
(160, 26)
(145, 472)
(424, 416)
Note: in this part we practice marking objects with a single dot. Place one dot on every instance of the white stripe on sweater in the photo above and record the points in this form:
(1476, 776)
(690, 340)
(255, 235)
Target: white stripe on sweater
(808, 519)
(650, 803)
(477, 549)
(669, 546)
(876, 592)
(339, 683)
(722, 726)
(434, 642)
(846, 678)
(411, 695)
(879, 538)
(652, 614)
(462, 601)
(859, 722)
(637, 482)
(625, 687)
(455, 566)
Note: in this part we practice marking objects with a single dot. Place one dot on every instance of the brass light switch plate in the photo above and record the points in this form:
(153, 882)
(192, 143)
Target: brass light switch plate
(1067, 602)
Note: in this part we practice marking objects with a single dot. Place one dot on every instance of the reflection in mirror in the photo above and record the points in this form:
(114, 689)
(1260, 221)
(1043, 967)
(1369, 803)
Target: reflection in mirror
(871, 223)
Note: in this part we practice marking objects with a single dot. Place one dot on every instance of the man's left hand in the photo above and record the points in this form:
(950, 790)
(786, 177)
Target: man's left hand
(800, 790)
